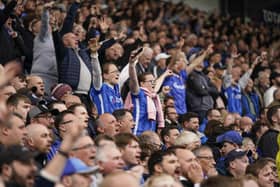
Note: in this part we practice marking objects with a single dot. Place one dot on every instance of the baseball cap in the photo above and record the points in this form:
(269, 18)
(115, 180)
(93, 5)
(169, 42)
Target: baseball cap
(75, 165)
(41, 108)
(234, 154)
(16, 152)
(219, 66)
(230, 136)
(162, 56)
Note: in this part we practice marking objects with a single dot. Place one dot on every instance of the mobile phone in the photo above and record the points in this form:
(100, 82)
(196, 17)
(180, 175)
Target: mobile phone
(139, 51)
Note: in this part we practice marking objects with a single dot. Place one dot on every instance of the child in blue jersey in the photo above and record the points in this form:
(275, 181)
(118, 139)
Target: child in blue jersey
(106, 95)
(145, 103)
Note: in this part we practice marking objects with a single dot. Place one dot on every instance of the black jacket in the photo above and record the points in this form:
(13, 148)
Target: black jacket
(200, 92)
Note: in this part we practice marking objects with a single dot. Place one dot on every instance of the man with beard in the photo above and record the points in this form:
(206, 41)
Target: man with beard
(268, 95)
(17, 167)
(164, 162)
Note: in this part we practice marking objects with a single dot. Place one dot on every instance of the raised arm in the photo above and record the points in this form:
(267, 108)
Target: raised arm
(133, 81)
(198, 60)
(70, 18)
(160, 80)
(54, 168)
(96, 69)
(44, 30)
(227, 79)
(243, 81)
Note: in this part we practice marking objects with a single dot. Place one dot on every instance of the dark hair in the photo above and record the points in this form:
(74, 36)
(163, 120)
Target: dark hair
(188, 116)
(123, 139)
(271, 111)
(120, 113)
(142, 77)
(255, 168)
(166, 132)
(105, 67)
(14, 99)
(59, 118)
(157, 158)
(166, 98)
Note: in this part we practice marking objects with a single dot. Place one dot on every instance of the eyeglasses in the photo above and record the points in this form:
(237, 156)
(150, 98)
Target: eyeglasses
(151, 81)
(83, 147)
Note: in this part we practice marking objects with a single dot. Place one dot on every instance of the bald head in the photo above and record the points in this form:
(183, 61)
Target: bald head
(107, 124)
(34, 129)
(38, 138)
(246, 123)
(120, 179)
(146, 57)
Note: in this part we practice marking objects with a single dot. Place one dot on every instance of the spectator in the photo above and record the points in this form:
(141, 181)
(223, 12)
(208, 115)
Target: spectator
(44, 52)
(19, 104)
(268, 95)
(164, 162)
(78, 173)
(39, 140)
(85, 150)
(268, 142)
(262, 85)
(147, 109)
(109, 159)
(171, 117)
(212, 114)
(190, 122)
(233, 84)
(169, 135)
(20, 162)
(13, 131)
(107, 124)
(200, 90)
(206, 159)
(130, 149)
(125, 118)
(262, 171)
(250, 101)
(37, 86)
(236, 163)
(188, 139)
(106, 93)
(19, 82)
(191, 171)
